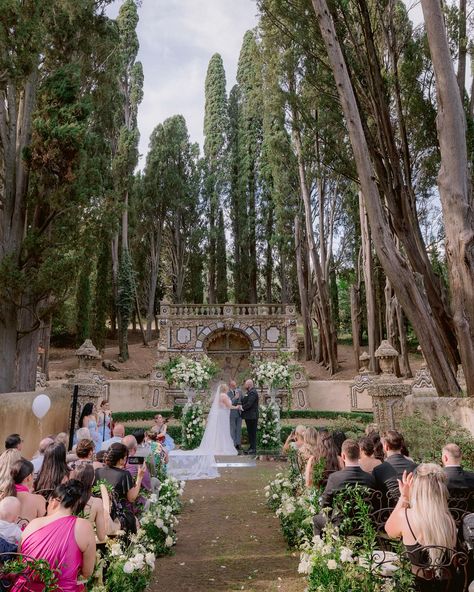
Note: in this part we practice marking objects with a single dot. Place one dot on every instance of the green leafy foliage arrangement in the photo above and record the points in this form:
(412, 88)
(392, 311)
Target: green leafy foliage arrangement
(192, 426)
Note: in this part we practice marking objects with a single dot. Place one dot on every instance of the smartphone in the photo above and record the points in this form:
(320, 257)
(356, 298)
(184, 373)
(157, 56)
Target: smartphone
(136, 460)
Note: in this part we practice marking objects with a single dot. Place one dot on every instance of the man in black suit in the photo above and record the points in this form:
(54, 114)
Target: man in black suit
(250, 414)
(458, 478)
(351, 474)
(387, 473)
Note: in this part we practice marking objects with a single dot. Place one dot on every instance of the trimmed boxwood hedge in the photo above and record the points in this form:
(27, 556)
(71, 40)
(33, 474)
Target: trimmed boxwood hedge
(360, 416)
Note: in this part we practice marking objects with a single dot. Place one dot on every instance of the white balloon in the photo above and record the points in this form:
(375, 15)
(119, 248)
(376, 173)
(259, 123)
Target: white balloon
(41, 405)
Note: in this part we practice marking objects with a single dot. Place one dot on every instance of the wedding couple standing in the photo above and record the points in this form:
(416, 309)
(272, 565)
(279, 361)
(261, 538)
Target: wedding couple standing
(217, 440)
(249, 412)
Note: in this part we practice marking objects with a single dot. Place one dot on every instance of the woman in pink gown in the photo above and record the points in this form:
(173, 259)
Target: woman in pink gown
(66, 542)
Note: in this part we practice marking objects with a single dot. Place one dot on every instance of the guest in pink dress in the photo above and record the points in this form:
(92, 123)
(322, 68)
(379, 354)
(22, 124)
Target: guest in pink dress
(66, 542)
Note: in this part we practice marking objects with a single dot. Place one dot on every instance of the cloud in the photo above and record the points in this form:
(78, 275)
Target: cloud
(177, 39)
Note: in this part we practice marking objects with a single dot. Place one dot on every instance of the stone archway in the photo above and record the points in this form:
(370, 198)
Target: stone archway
(230, 349)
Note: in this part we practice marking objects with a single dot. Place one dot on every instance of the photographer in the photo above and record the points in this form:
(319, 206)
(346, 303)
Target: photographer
(295, 439)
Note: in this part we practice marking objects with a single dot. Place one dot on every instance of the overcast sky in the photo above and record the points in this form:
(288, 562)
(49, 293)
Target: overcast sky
(177, 39)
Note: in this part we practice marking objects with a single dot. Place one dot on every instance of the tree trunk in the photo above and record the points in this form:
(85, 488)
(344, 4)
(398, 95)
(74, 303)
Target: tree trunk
(306, 305)
(155, 256)
(326, 329)
(454, 188)
(355, 322)
(391, 324)
(211, 294)
(8, 334)
(367, 269)
(402, 332)
(140, 322)
(409, 291)
(462, 48)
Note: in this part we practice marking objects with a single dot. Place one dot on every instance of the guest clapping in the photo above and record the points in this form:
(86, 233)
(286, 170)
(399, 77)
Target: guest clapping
(421, 516)
(295, 439)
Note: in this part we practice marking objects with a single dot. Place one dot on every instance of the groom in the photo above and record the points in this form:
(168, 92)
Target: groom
(250, 414)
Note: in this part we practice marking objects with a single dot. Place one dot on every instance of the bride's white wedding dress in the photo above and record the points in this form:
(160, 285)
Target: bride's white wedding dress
(200, 463)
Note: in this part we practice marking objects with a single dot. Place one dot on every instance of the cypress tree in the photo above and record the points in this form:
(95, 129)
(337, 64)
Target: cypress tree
(83, 303)
(215, 133)
(101, 297)
(249, 78)
(221, 261)
(125, 301)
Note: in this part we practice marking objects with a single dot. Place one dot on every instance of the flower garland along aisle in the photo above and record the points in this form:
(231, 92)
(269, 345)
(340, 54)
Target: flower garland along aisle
(274, 375)
(128, 564)
(191, 375)
(337, 561)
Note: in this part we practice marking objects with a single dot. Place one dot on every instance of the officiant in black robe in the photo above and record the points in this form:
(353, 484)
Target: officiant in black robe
(250, 414)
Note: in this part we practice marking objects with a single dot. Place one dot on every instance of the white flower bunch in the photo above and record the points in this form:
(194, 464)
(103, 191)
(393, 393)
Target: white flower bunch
(273, 374)
(189, 373)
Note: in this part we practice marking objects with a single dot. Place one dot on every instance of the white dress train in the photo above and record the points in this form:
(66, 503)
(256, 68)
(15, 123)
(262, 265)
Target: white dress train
(200, 463)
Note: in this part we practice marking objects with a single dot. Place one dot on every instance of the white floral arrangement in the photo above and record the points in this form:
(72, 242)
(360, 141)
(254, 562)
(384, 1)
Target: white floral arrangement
(130, 562)
(193, 424)
(269, 428)
(188, 373)
(272, 374)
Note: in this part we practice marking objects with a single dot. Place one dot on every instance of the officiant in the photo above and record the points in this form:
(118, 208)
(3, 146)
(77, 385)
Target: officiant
(235, 395)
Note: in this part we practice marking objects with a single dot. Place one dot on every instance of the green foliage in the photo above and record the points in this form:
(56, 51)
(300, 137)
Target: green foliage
(125, 299)
(37, 569)
(101, 297)
(221, 261)
(83, 303)
(425, 439)
(268, 434)
(193, 424)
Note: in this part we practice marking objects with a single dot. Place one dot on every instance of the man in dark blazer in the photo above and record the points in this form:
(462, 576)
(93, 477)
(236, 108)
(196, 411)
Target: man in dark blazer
(351, 474)
(387, 473)
(250, 414)
(458, 478)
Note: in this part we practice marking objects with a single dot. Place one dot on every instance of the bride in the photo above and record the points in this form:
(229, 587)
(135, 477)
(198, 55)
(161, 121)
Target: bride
(200, 463)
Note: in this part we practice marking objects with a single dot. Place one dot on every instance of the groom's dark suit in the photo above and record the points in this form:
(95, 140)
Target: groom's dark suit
(250, 414)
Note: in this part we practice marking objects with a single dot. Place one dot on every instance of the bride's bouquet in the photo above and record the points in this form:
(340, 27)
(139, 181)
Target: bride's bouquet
(188, 373)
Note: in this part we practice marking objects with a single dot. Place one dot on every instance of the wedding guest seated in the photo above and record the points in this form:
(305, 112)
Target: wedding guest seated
(377, 442)
(7, 460)
(10, 532)
(148, 483)
(387, 473)
(458, 478)
(159, 452)
(99, 459)
(32, 505)
(351, 474)
(54, 470)
(62, 539)
(37, 460)
(161, 428)
(308, 449)
(117, 434)
(84, 452)
(63, 438)
(368, 462)
(339, 438)
(122, 482)
(144, 449)
(13, 441)
(325, 452)
(295, 439)
(91, 507)
(421, 516)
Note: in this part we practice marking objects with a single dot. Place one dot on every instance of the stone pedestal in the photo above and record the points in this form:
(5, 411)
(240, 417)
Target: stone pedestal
(93, 386)
(388, 392)
(360, 398)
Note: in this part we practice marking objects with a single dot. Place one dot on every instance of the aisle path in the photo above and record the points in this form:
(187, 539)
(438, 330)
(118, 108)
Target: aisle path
(228, 540)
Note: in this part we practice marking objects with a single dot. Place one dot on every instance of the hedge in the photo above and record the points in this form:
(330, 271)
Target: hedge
(360, 416)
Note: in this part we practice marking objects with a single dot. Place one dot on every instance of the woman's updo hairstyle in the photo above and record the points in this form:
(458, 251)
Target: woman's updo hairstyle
(116, 452)
(69, 494)
(84, 448)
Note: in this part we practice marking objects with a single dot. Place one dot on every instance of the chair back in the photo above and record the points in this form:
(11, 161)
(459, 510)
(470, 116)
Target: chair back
(447, 573)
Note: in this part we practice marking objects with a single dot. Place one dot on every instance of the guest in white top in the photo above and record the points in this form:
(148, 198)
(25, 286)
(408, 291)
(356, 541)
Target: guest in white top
(39, 457)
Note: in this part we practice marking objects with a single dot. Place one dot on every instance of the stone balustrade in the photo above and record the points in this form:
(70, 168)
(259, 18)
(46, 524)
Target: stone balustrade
(226, 310)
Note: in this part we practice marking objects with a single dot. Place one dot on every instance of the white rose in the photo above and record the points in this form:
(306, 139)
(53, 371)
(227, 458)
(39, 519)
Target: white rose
(128, 567)
(159, 523)
(115, 550)
(150, 559)
(346, 555)
(169, 541)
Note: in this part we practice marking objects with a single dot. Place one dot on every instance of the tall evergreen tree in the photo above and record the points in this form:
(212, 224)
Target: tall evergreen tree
(249, 78)
(221, 261)
(215, 169)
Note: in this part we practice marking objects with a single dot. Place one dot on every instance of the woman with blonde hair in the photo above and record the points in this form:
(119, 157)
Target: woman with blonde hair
(308, 448)
(7, 460)
(421, 517)
(295, 439)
